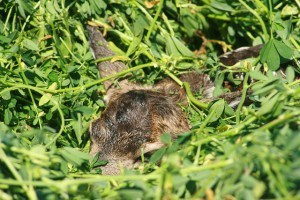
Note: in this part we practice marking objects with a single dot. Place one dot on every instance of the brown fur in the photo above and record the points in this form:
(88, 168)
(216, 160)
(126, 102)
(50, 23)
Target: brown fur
(136, 116)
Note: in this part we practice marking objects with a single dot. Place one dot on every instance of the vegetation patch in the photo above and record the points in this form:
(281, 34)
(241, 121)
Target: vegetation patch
(50, 92)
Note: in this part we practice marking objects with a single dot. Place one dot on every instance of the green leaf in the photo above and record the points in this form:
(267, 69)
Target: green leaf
(84, 110)
(53, 76)
(155, 50)
(140, 24)
(189, 22)
(24, 6)
(6, 95)
(268, 105)
(222, 6)
(4, 39)
(7, 116)
(262, 89)
(74, 156)
(182, 48)
(96, 162)
(290, 74)
(257, 75)
(50, 8)
(289, 10)
(49, 115)
(29, 44)
(157, 155)
(184, 65)
(131, 193)
(283, 50)
(270, 55)
(166, 138)
(133, 45)
(171, 47)
(218, 85)
(228, 110)
(12, 103)
(216, 110)
(65, 82)
(77, 127)
(45, 99)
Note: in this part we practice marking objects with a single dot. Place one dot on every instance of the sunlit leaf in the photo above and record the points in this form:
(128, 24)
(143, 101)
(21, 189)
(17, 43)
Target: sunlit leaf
(216, 110)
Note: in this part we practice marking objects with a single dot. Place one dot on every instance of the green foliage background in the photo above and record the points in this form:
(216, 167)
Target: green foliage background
(50, 91)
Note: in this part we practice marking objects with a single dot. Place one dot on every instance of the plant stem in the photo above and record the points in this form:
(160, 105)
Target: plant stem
(7, 18)
(188, 170)
(262, 24)
(15, 173)
(121, 73)
(279, 120)
(78, 181)
(261, 5)
(23, 76)
(165, 18)
(160, 6)
(104, 59)
(79, 88)
(294, 42)
(192, 98)
(243, 98)
(232, 132)
(62, 126)
(69, 50)
(207, 119)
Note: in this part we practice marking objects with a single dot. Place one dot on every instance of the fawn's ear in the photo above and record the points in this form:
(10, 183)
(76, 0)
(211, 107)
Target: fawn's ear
(100, 49)
(232, 57)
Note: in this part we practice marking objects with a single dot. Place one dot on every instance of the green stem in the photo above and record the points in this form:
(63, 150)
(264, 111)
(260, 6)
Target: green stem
(160, 6)
(229, 19)
(243, 98)
(279, 120)
(261, 5)
(127, 29)
(188, 170)
(143, 10)
(165, 18)
(197, 156)
(121, 73)
(79, 181)
(192, 98)
(207, 119)
(69, 50)
(294, 42)
(160, 184)
(104, 59)
(298, 3)
(262, 24)
(271, 17)
(27, 18)
(7, 19)
(61, 126)
(177, 80)
(14, 172)
(294, 83)
(79, 88)
(187, 89)
(21, 65)
(229, 133)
